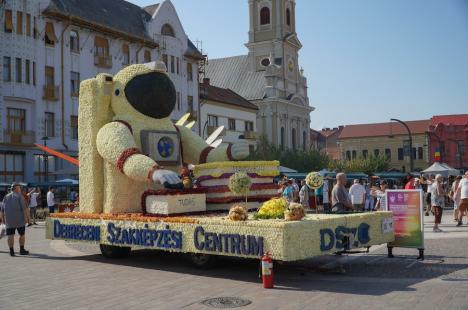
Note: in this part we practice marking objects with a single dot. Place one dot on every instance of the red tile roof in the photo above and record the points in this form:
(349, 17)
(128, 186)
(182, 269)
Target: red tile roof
(454, 119)
(384, 129)
(225, 95)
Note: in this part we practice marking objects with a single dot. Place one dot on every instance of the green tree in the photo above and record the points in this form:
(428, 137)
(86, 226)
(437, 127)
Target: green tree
(367, 165)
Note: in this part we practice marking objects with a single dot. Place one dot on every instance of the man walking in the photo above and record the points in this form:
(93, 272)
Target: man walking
(463, 191)
(358, 195)
(51, 200)
(15, 215)
(340, 196)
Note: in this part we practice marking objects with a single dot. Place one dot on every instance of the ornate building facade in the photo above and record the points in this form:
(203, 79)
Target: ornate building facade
(270, 75)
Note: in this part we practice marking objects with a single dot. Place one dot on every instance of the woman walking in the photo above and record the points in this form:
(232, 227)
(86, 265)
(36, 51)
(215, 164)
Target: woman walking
(437, 201)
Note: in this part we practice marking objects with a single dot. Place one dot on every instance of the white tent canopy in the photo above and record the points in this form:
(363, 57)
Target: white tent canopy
(441, 168)
(72, 181)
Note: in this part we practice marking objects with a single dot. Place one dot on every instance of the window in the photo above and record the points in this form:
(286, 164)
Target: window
(365, 153)
(420, 153)
(461, 147)
(231, 124)
(288, 17)
(376, 152)
(27, 71)
(18, 70)
(16, 120)
(75, 83)
(413, 153)
(147, 56)
(19, 22)
(190, 103)
(74, 127)
(125, 54)
(249, 126)
(28, 25)
(304, 140)
(40, 167)
(212, 121)
(11, 167)
(177, 63)
(50, 37)
(178, 101)
(35, 32)
(8, 26)
(74, 42)
(353, 154)
(164, 59)
(265, 16)
(442, 150)
(49, 76)
(189, 72)
(101, 46)
(400, 153)
(348, 155)
(166, 30)
(293, 136)
(49, 124)
(388, 153)
(282, 138)
(6, 69)
(34, 73)
(172, 64)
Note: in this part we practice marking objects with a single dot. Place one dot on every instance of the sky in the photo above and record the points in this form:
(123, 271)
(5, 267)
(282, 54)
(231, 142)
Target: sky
(366, 61)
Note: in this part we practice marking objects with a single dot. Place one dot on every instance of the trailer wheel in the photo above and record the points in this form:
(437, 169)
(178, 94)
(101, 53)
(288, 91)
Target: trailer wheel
(202, 261)
(111, 251)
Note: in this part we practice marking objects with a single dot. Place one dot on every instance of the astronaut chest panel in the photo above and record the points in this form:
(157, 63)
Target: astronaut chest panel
(162, 146)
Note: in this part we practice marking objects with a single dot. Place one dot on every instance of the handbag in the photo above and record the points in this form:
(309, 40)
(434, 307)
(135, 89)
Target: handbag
(2, 230)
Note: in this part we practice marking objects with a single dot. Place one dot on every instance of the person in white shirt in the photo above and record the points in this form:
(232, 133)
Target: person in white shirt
(51, 199)
(326, 196)
(304, 194)
(463, 190)
(429, 182)
(33, 197)
(357, 192)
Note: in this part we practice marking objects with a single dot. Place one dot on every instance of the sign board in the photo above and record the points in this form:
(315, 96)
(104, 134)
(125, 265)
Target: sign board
(407, 208)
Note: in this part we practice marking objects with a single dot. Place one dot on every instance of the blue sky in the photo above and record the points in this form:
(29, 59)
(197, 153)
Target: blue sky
(366, 61)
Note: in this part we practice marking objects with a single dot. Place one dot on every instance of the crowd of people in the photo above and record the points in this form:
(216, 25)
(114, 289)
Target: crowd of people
(363, 195)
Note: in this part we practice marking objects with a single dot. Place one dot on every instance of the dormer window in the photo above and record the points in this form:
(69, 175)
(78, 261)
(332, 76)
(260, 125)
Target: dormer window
(166, 30)
(265, 16)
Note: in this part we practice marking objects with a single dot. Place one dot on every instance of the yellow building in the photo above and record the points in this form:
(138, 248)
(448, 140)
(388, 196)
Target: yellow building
(390, 139)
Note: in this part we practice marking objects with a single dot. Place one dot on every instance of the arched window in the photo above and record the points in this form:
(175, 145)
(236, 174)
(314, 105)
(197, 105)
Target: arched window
(147, 56)
(74, 41)
(125, 54)
(348, 155)
(293, 134)
(288, 17)
(282, 138)
(166, 30)
(265, 16)
(304, 137)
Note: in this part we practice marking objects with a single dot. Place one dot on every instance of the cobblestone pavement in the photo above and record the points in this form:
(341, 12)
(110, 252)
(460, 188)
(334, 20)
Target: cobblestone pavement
(59, 275)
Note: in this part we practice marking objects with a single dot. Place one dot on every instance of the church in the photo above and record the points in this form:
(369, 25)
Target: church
(269, 75)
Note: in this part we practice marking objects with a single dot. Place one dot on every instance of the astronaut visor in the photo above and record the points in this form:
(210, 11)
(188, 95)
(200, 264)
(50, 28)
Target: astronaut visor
(152, 94)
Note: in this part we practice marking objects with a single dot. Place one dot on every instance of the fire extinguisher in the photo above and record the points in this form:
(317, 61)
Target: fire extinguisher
(267, 271)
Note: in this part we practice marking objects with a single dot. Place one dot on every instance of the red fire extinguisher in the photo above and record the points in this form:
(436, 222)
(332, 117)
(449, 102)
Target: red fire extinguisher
(267, 271)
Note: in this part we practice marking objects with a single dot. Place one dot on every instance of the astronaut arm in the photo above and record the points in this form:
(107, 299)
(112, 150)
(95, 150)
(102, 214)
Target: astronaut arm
(115, 143)
(197, 151)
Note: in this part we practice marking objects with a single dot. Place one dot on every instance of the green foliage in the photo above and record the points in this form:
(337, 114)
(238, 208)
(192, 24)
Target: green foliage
(367, 165)
(300, 160)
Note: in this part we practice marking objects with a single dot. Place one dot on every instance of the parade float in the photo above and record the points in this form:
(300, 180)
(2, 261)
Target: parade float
(136, 191)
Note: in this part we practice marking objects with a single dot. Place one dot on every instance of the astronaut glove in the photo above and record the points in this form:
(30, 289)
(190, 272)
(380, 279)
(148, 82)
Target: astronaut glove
(240, 150)
(162, 176)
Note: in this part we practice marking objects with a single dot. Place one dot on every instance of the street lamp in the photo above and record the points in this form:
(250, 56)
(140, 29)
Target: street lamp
(410, 138)
(46, 160)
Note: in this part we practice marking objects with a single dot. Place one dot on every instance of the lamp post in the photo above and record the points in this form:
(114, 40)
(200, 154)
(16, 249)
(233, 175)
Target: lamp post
(46, 160)
(410, 138)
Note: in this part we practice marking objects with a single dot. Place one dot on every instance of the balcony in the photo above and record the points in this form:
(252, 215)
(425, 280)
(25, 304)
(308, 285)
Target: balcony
(250, 135)
(103, 61)
(51, 92)
(211, 129)
(19, 137)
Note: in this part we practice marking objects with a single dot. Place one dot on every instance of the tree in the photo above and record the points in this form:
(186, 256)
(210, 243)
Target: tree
(300, 160)
(367, 165)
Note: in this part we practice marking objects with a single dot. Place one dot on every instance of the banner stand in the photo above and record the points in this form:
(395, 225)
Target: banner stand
(407, 207)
